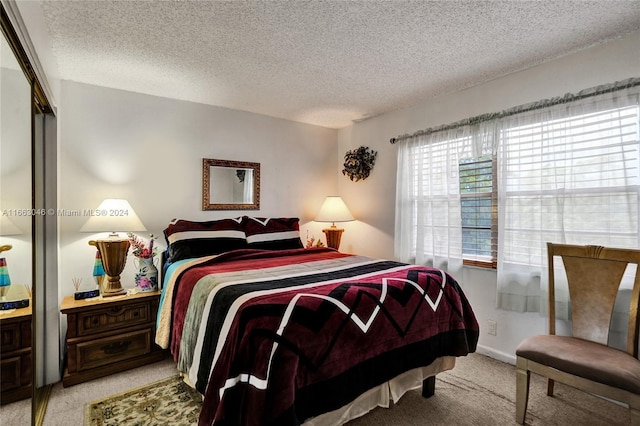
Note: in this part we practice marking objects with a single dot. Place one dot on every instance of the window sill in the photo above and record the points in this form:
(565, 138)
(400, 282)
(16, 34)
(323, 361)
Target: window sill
(480, 264)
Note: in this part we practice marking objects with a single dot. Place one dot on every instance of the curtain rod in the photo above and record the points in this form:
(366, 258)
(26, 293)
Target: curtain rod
(569, 97)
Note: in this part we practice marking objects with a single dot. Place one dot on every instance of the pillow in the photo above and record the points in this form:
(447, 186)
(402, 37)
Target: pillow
(187, 239)
(272, 233)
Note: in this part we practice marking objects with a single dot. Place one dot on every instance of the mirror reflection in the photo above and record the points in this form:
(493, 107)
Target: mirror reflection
(230, 185)
(15, 238)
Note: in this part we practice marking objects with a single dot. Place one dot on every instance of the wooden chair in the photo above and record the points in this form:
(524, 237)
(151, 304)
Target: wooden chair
(583, 360)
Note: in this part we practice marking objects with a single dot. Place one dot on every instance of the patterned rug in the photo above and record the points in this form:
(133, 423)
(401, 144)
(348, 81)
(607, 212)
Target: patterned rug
(166, 402)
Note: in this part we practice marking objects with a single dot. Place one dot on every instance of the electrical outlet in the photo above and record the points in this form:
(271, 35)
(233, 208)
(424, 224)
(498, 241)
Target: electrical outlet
(492, 327)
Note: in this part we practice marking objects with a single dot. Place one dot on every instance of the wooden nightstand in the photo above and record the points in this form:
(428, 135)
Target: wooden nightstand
(15, 354)
(106, 336)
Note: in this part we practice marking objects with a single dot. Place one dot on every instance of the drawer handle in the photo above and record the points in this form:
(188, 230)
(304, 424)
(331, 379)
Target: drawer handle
(117, 309)
(116, 348)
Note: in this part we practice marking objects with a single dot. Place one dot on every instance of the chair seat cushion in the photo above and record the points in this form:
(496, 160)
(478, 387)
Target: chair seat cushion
(585, 359)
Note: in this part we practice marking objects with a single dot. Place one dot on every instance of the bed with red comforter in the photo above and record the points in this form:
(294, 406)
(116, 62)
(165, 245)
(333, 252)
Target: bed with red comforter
(278, 337)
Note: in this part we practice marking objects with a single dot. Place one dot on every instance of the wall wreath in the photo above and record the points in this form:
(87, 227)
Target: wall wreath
(358, 163)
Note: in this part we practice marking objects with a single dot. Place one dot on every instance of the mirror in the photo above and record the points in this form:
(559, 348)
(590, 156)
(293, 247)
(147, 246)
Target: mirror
(230, 185)
(27, 141)
(16, 214)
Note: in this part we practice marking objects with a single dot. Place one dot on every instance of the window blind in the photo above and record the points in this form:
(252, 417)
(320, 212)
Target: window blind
(571, 179)
(477, 200)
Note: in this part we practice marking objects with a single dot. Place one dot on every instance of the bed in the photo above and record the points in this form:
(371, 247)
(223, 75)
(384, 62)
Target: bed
(271, 333)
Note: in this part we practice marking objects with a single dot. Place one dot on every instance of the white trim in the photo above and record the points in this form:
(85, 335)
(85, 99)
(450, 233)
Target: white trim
(13, 12)
(495, 354)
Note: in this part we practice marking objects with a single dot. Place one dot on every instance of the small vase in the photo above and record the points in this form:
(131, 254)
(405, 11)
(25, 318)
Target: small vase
(147, 276)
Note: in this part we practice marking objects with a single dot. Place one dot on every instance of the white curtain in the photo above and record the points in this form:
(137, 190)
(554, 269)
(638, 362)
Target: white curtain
(568, 172)
(428, 225)
(247, 188)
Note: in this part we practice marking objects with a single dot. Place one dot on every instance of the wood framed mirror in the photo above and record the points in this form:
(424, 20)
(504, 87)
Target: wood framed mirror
(230, 185)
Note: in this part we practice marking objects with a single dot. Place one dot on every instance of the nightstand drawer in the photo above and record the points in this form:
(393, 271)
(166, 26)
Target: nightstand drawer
(15, 355)
(10, 371)
(15, 371)
(113, 317)
(11, 338)
(15, 334)
(110, 350)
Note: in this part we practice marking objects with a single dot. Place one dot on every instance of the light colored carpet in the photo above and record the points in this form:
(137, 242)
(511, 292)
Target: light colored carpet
(481, 391)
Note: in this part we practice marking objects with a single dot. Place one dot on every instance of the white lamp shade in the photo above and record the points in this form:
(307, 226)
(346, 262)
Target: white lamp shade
(7, 227)
(334, 210)
(113, 215)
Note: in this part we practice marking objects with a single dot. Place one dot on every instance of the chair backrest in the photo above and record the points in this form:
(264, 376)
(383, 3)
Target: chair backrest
(594, 275)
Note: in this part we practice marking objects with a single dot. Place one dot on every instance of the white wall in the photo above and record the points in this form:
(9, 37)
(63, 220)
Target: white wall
(149, 150)
(372, 201)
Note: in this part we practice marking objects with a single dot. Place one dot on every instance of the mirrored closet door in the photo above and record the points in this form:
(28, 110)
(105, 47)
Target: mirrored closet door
(16, 247)
(29, 318)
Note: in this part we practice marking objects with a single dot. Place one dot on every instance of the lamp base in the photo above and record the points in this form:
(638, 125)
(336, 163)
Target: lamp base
(113, 252)
(333, 235)
(111, 286)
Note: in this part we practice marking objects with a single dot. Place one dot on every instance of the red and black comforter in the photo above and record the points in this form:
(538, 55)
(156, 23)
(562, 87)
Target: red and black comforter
(274, 338)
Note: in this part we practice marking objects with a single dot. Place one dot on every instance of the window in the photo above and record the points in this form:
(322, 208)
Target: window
(492, 190)
(478, 201)
(572, 179)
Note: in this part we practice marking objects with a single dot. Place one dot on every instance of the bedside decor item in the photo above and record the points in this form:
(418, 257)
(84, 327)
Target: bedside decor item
(311, 242)
(358, 163)
(7, 227)
(139, 247)
(10, 305)
(334, 210)
(79, 295)
(17, 297)
(98, 271)
(147, 276)
(113, 215)
(5, 280)
(76, 283)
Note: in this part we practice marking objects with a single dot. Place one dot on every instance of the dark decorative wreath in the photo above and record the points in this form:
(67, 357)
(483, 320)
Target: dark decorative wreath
(358, 163)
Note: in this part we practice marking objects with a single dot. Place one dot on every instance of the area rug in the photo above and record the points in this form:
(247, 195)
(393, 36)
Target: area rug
(166, 402)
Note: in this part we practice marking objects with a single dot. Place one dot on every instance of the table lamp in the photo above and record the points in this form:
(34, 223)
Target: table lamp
(333, 210)
(113, 216)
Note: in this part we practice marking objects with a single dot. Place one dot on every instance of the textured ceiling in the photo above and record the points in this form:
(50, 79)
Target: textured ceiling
(326, 63)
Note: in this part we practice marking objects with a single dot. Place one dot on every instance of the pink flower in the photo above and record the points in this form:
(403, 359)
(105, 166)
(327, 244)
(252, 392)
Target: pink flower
(138, 246)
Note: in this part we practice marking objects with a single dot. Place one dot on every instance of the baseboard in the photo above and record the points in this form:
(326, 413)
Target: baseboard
(492, 353)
